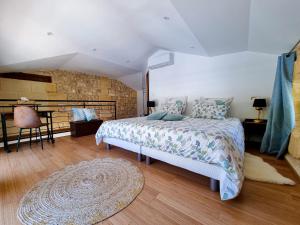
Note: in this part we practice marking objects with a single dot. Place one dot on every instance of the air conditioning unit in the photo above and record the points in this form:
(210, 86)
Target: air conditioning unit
(161, 60)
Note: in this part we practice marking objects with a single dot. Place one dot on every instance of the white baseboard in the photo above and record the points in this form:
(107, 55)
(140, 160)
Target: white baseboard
(44, 136)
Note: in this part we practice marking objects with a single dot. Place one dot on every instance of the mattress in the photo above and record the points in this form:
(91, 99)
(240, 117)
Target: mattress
(216, 142)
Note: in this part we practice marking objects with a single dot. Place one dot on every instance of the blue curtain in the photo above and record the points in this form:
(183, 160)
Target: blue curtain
(281, 118)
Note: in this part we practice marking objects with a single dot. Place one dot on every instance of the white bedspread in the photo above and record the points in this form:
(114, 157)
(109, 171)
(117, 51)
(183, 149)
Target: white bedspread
(218, 142)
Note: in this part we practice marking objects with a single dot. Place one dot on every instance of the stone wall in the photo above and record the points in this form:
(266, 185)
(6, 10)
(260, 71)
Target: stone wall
(71, 86)
(81, 86)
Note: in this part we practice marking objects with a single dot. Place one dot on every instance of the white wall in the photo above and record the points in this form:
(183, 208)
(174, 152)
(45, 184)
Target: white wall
(140, 103)
(240, 75)
(135, 81)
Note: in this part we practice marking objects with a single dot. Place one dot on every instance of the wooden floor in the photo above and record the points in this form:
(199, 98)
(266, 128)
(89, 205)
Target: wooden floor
(170, 196)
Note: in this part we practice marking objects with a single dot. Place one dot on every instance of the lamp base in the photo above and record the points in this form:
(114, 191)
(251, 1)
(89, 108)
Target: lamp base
(257, 120)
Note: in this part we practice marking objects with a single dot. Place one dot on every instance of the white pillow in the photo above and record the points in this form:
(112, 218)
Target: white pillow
(78, 114)
(90, 114)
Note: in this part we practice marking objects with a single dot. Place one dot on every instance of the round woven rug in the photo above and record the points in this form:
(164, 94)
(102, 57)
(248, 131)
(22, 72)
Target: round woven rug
(82, 194)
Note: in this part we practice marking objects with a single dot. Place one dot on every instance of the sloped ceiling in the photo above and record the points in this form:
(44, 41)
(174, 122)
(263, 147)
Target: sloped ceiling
(116, 37)
(274, 25)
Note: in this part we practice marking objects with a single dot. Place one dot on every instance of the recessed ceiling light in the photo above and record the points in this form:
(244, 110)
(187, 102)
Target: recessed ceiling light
(166, 18)
(94, 49)
(49, 33)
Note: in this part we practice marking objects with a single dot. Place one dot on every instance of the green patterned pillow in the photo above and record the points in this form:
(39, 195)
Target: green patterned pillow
(171, 108)
(156, 116)
(176, 105)
(173, 117)
(211, 108)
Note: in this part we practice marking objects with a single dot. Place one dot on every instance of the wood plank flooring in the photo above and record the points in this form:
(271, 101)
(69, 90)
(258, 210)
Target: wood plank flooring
(170, 196)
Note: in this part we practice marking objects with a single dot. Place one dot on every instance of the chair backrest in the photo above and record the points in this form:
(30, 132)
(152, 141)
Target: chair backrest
(26, 117)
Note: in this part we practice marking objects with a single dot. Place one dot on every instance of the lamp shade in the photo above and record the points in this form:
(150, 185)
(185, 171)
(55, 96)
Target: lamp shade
(259, 103)
(150, 103)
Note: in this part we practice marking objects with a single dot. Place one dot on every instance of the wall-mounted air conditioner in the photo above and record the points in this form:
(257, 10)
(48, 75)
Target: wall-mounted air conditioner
(161, 60)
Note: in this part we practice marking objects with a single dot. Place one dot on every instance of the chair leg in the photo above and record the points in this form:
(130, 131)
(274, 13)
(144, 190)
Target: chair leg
(35, 134)
(19, 138)
(30, 136)
(41, 139)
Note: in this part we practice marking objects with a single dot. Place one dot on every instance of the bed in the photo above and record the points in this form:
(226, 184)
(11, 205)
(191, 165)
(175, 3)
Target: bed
(213, 148)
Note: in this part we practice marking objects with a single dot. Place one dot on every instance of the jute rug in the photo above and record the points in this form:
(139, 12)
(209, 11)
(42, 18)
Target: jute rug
(82, 194)
(258, 170)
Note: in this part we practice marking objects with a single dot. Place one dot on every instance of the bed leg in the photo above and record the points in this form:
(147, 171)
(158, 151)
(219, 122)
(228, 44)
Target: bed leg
(140, 157)
(108, 146)
(214, 185)
(148, 160)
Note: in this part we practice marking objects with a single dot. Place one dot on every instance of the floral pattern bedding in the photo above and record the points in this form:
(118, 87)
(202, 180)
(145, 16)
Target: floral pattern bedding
(211, 108)
(174, 105)
(218, 142)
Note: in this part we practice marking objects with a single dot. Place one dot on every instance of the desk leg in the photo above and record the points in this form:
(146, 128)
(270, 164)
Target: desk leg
(51, 128)
(48, 131)
(4, 133)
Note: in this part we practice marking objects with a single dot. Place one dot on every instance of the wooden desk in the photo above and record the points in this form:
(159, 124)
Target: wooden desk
(10, 116)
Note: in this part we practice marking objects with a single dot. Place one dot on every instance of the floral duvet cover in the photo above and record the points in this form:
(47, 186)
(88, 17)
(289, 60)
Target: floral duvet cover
(218, 142)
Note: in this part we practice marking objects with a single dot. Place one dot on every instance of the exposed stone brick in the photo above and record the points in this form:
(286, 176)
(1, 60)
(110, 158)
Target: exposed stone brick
(82, 86)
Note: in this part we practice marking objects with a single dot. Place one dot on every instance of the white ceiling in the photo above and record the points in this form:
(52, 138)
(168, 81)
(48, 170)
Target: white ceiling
(274, 25)
(220, 26)
(116, 37)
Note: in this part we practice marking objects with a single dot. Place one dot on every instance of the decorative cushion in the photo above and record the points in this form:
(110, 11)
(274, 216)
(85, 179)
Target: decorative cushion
(171, 108)
(90, 114)
(156, 116)
(78, 114)
(211, 108)
(174, 105)
(173, 117)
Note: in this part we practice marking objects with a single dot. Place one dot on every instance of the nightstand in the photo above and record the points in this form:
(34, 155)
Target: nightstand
(254, 130)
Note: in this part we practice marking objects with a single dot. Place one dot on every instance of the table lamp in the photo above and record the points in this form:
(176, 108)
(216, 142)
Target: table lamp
(150, 104)
(259, 104)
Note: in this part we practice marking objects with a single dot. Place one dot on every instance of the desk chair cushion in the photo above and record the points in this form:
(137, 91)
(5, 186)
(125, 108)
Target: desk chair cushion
(26, 117)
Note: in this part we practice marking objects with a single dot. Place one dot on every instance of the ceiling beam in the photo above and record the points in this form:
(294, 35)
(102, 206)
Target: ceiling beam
(26, 76)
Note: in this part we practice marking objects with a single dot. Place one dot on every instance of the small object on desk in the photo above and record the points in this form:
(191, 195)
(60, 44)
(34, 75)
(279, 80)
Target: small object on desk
(254, 130)
(24, 99)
